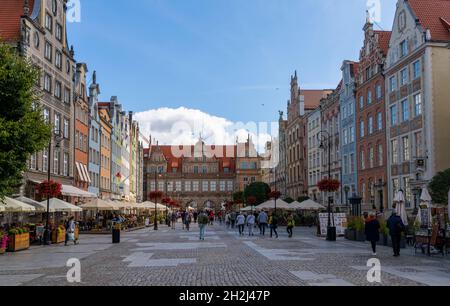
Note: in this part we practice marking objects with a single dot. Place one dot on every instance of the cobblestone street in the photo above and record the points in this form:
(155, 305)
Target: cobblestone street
(179, 258)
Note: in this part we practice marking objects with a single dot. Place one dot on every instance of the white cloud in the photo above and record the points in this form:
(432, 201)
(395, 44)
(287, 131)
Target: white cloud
(183, 126)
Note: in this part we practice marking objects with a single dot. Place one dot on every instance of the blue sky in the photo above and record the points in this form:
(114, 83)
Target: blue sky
(228, 58)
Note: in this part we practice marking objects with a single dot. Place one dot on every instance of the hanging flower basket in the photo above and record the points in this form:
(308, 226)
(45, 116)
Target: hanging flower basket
(156, 195)
(50, 189)
(329, 185)
(275, 195)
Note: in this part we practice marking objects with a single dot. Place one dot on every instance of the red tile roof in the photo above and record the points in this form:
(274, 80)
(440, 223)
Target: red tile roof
(433, 14)
(313, 97)
(384, 37)
(11, 12)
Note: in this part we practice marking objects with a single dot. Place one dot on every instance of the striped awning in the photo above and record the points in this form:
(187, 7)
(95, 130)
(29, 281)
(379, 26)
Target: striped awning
(83, 172)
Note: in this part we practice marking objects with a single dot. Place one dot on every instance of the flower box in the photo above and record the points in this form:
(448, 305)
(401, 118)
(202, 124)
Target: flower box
(58, 236)
(360, 236)
(19, 242)
(350, 234)
(383, 240)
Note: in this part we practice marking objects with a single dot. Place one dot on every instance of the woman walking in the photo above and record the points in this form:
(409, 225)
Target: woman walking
(373, 232)
(290, 225)
(273, 223)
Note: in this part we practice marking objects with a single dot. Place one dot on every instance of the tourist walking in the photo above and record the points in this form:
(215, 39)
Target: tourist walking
(240, 222)
(202, 223)
(262, 221)
(233, 219)
(195, 216)
(372, 231)
(188, 220)
(174, 219)
(273, 223)
(251, 224)
(211, 218)
(219, 216)
(290, 225)
(228, 220)
(396, 227)
(70, 231)
(183, 216)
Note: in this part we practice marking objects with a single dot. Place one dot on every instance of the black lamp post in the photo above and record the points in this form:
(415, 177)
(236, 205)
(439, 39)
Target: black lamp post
(331, 230)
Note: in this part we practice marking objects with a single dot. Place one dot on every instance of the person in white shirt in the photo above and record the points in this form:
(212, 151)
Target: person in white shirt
(240, 222)
(250, 223)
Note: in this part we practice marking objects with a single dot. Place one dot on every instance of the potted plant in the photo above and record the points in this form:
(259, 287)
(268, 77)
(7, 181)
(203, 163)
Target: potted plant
(59, 235)
(18, 239)
(384, 232)
(359, 227)
(3, 242)
(350, 232)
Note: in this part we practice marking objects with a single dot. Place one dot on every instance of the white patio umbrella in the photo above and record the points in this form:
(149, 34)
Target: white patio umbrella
(57, 205)
(99, 205)
(248, 208)
(14, 206)
(400, 207)
(425, 196)
(271, 205)
(31, 202)
(308, 205)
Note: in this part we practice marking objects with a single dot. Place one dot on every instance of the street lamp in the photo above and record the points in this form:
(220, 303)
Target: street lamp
(331, 230)
(156, 194)
(58, 141)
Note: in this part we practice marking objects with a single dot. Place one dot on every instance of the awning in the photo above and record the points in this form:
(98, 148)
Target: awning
(11, 205)
(57, 205)
(80, 172)
(86, 173)
(99, 204)
(72, 191)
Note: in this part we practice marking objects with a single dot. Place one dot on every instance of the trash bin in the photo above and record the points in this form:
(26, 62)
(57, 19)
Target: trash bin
(116, 233)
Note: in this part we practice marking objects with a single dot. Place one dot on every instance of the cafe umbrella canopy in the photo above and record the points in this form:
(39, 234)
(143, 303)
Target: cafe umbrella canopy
(57, 205)
(14, 206)
(400, 208)
(99, 205)
(280, 204)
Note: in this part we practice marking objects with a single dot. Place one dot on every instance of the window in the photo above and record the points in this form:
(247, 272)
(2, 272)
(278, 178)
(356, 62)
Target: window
(416, 69)
(345, 136)
(195, 169)
(45, 160)
(56, 162)
(57, 124)
(394, 115)
(205, 186)
(392, 84)
(222, 186)
(48, 52)
(380, 155)
(67, 95)
(58, 33)
(58, 60)
(187, 186)
(406, 151)
(33, 161)
(230, 185)
(405, 110)
(363, 160)
(380, 121)
(362, 129)
(379, 92)
(47, 83)
(403, 48)
(178, 186)
(352, 163)
(369, 97)
(352, 134)
(213, 186)
(204, 169)
(370, 125)
(66, 128)
(361, 102)
(371, 157)
(195, 185)
(404, 77)
(394, 145)
(46, 115)
(58, 90)
(395, 185)
(48, 22)
(406, 183)
(418, 144)
(345, 164)
(68, 66)
(417, 105)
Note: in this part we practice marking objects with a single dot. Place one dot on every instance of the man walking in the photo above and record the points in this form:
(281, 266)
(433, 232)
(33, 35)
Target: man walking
(70, 231)
(174, 219)
(251, 224)
(262, 220)
(202, 223)
(233, 219)
(240, 221)
(396, 227)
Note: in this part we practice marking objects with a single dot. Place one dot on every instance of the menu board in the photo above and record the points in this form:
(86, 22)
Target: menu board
(340, 222)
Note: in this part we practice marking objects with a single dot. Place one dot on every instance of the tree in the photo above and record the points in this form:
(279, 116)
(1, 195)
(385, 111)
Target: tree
(259, 190)
(289, 200)
(303, 199)
(439, 187)
(238, 197)
(23, 130)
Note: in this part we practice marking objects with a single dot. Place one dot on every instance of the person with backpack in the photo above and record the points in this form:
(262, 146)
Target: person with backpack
(290, 224)
(202, 223)
(273, 224)
(396, 228)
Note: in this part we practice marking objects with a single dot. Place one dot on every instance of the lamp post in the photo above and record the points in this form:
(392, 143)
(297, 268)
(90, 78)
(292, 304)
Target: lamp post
(57, 145)
(331, 230)
(157, 194)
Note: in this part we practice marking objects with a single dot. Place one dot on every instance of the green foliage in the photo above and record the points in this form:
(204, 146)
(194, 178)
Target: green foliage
(303, 199)
(355, 223)
(383, 226)
(289, 200)
(259, 190)
(22, 127)
(439, 187)
(13, 232)
(238, 197)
